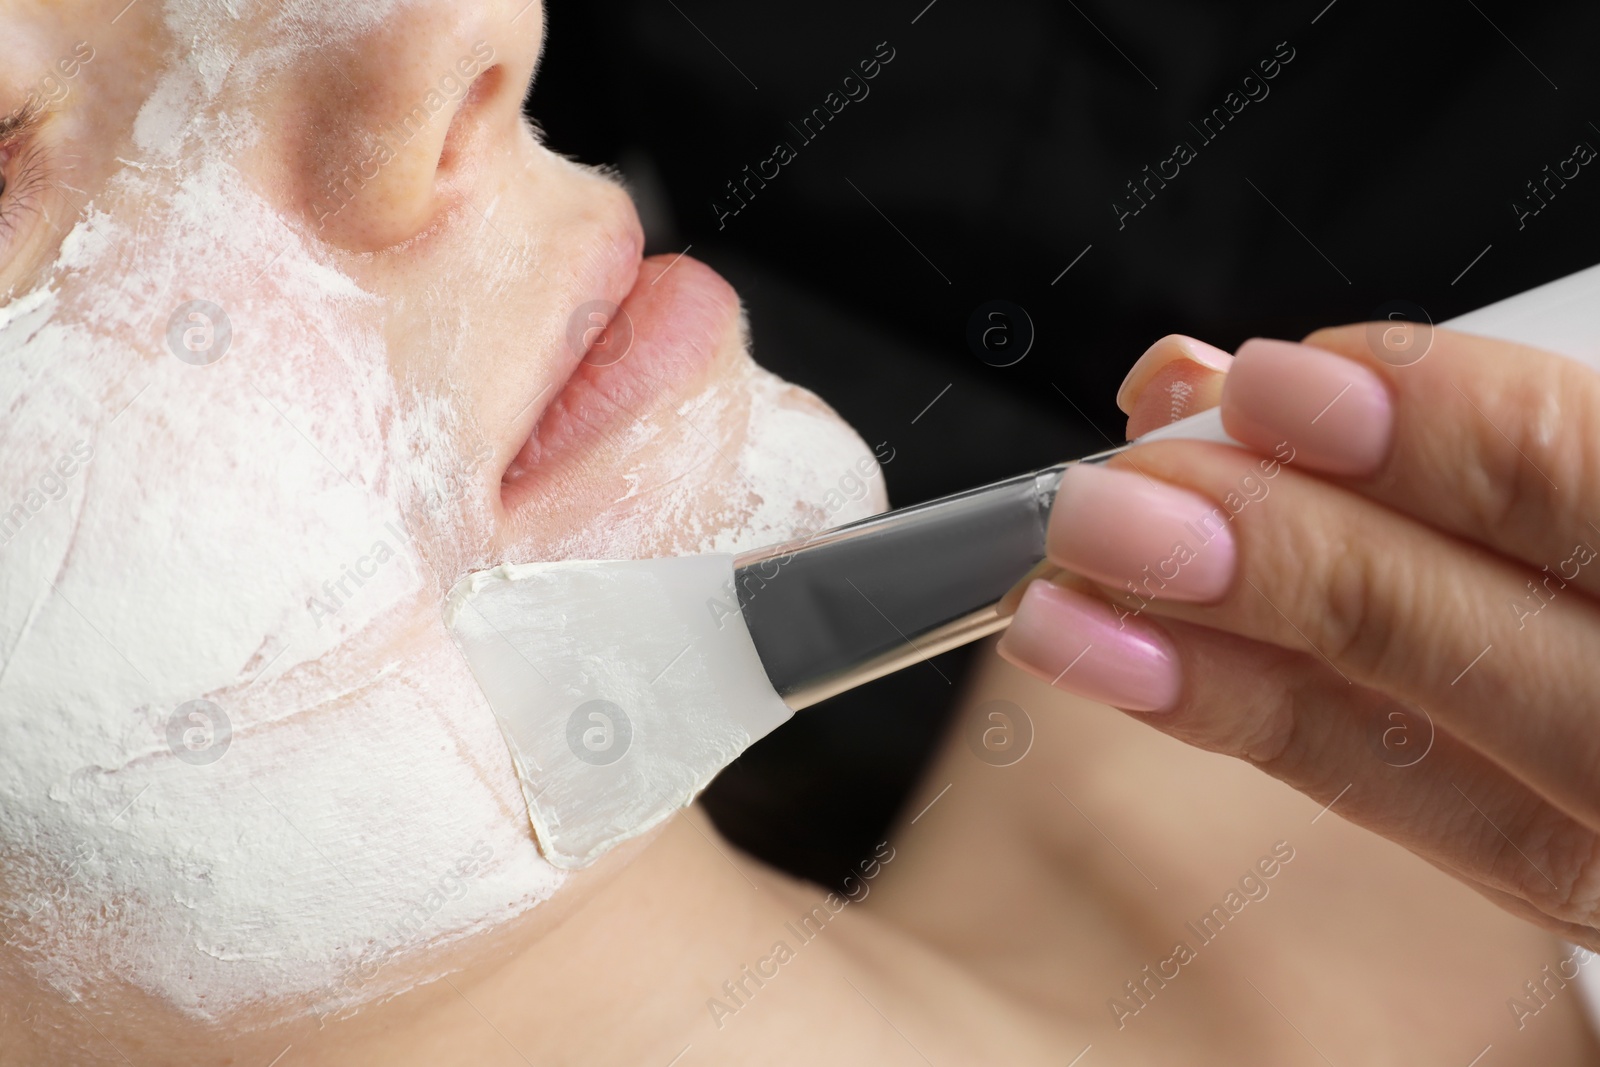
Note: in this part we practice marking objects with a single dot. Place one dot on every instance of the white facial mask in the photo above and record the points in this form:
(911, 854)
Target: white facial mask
(241, 762)
(239, 759)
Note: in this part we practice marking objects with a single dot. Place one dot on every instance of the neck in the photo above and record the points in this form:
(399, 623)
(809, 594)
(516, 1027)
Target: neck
(666, 955)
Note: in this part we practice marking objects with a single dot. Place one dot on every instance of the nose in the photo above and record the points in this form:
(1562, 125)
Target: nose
(392, 123)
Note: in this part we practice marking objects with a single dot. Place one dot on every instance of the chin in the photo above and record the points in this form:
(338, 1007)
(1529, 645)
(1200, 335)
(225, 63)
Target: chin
(785, 466)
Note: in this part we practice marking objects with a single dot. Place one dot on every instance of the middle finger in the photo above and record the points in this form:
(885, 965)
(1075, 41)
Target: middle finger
(1218, 536)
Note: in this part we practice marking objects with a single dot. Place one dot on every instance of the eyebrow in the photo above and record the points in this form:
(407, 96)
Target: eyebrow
(20, 121)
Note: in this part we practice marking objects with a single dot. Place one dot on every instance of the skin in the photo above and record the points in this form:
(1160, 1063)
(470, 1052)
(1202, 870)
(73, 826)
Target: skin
(1001, 916)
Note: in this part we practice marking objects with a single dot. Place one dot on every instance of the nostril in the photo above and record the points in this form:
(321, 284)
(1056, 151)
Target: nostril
(467, 119)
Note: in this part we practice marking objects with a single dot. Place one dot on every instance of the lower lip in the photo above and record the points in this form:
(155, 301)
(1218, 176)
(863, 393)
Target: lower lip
(667, 332)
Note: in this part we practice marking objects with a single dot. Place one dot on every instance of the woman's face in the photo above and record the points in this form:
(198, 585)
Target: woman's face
(301, 324)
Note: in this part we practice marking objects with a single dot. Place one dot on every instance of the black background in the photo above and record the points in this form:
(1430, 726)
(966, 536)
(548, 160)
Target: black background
(1381, 166)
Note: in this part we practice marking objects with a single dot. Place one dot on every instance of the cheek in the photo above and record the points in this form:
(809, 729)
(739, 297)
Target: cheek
(293, 859)
(239, 750)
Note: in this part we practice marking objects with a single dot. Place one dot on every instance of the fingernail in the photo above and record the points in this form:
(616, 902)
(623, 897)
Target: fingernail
(1336, 414)
(1161, 354)
(1077, 643)
(1150, 538)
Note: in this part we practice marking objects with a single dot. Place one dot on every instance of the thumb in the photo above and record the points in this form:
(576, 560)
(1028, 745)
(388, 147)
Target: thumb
(1177, 377)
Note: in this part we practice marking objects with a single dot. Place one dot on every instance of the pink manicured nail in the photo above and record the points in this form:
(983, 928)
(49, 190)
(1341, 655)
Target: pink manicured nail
(1150, 538)
(1160, 355)
(1077, 643)
(1335, 414)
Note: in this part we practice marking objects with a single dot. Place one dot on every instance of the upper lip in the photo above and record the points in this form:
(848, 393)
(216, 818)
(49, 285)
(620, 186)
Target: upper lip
(614, 277)
(609, 274)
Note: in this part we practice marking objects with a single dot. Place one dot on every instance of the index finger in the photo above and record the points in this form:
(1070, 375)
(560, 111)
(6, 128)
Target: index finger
(1495, 442)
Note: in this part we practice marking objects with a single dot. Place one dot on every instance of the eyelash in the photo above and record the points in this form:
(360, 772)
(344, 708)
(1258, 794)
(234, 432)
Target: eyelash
(22, 176)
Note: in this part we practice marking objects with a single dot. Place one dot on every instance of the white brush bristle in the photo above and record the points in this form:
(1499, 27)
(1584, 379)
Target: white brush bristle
(622, 687)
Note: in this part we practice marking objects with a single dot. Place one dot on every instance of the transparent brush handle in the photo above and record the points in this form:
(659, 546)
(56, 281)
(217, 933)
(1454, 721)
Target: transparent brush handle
(875, 596)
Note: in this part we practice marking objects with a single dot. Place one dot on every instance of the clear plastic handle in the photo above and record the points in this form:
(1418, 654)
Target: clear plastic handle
(1562, 317)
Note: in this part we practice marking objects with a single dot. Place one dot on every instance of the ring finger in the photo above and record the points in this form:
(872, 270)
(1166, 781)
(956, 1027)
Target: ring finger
(1378, 762)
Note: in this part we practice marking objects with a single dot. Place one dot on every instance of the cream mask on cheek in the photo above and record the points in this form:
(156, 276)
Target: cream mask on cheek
(241, 762)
